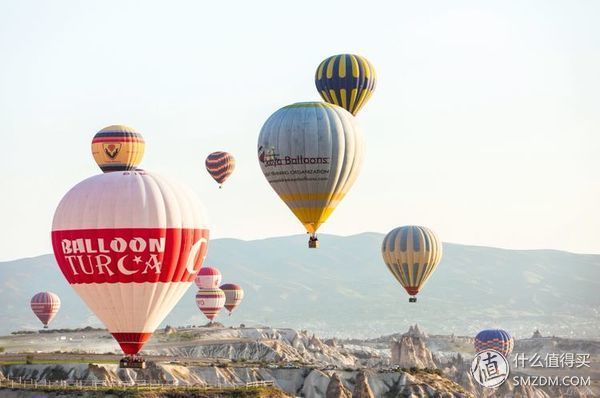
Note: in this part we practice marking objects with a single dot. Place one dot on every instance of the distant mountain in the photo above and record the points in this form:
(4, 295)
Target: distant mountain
(344, 289)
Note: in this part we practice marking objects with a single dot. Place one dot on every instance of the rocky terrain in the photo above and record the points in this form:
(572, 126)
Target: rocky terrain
(298, 362)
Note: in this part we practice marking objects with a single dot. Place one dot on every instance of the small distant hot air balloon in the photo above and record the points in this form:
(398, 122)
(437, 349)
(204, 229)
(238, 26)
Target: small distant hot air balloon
(208, 277)
(45, 305)
(346, 80)
(494, 339)
(220, 165)
(233, 296)
(210, 301)
(411, 253)
(311, 154)
(130, 243)
(118, 148)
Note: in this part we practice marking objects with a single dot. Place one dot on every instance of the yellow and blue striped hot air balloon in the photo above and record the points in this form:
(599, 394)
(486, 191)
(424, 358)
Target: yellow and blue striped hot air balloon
(346, 80)
(311, 154)
(411, 253)
(118, 148)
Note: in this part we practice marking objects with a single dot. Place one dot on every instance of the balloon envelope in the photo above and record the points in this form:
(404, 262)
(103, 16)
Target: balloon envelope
(220, 166)
(208, 277)
(233, 296)
(494, 339)
(346, 80)
(45, 306)
(118, 148)
(130, 244)
(210, 301)
(311, 154)
(411, 253)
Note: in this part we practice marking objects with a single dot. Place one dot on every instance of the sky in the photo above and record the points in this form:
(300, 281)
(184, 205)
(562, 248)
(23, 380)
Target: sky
(484, 125)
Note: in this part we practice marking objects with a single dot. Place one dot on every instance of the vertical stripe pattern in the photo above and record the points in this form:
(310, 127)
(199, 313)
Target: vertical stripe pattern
(311, 154)
(45, 305)
(346, 80)
(411, 253)
(220, 165)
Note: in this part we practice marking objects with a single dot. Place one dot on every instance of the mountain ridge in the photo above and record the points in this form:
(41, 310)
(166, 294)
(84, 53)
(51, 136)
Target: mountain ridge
(344, 289)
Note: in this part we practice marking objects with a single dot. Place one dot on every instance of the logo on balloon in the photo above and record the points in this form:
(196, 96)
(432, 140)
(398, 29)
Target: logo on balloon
(112, 150)
(191, 260)
(265, 155)
(269, 159)
(125, 255)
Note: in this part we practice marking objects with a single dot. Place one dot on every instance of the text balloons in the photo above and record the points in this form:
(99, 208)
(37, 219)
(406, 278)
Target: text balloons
(130, 244)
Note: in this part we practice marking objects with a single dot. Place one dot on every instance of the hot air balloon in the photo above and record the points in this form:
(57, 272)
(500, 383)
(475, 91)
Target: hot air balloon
(130, 244)
(45, 306)
(411, 253)
(494, 339)
(311, 154)
(118, 148)
(233, 296)
(210, 301)
(208, 277)
(220, 165)
(346, 80)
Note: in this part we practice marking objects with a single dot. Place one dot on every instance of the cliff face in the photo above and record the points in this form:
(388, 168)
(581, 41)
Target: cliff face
(411, 351)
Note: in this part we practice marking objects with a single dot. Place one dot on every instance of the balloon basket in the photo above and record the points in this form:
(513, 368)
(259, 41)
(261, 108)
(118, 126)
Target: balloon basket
(45, 326)
(412, 300)
(132, 363)
(313, 243)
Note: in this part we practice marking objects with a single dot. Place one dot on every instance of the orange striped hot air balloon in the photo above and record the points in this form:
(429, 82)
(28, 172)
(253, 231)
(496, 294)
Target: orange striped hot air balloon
(220, 165)
(118, 148)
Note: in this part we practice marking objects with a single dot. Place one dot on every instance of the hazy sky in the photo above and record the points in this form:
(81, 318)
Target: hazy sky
(485, 125)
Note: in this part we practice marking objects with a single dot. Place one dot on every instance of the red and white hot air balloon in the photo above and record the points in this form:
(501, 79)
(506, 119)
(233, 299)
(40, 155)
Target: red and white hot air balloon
(45, 305)
(208, 277)
(130, 243)
(233, 296)
(210, 301)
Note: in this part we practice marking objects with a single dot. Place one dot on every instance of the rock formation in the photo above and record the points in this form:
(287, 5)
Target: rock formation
(336, 388)
(415, 331)
(170, 330)
(411, 351)
(361, 387)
